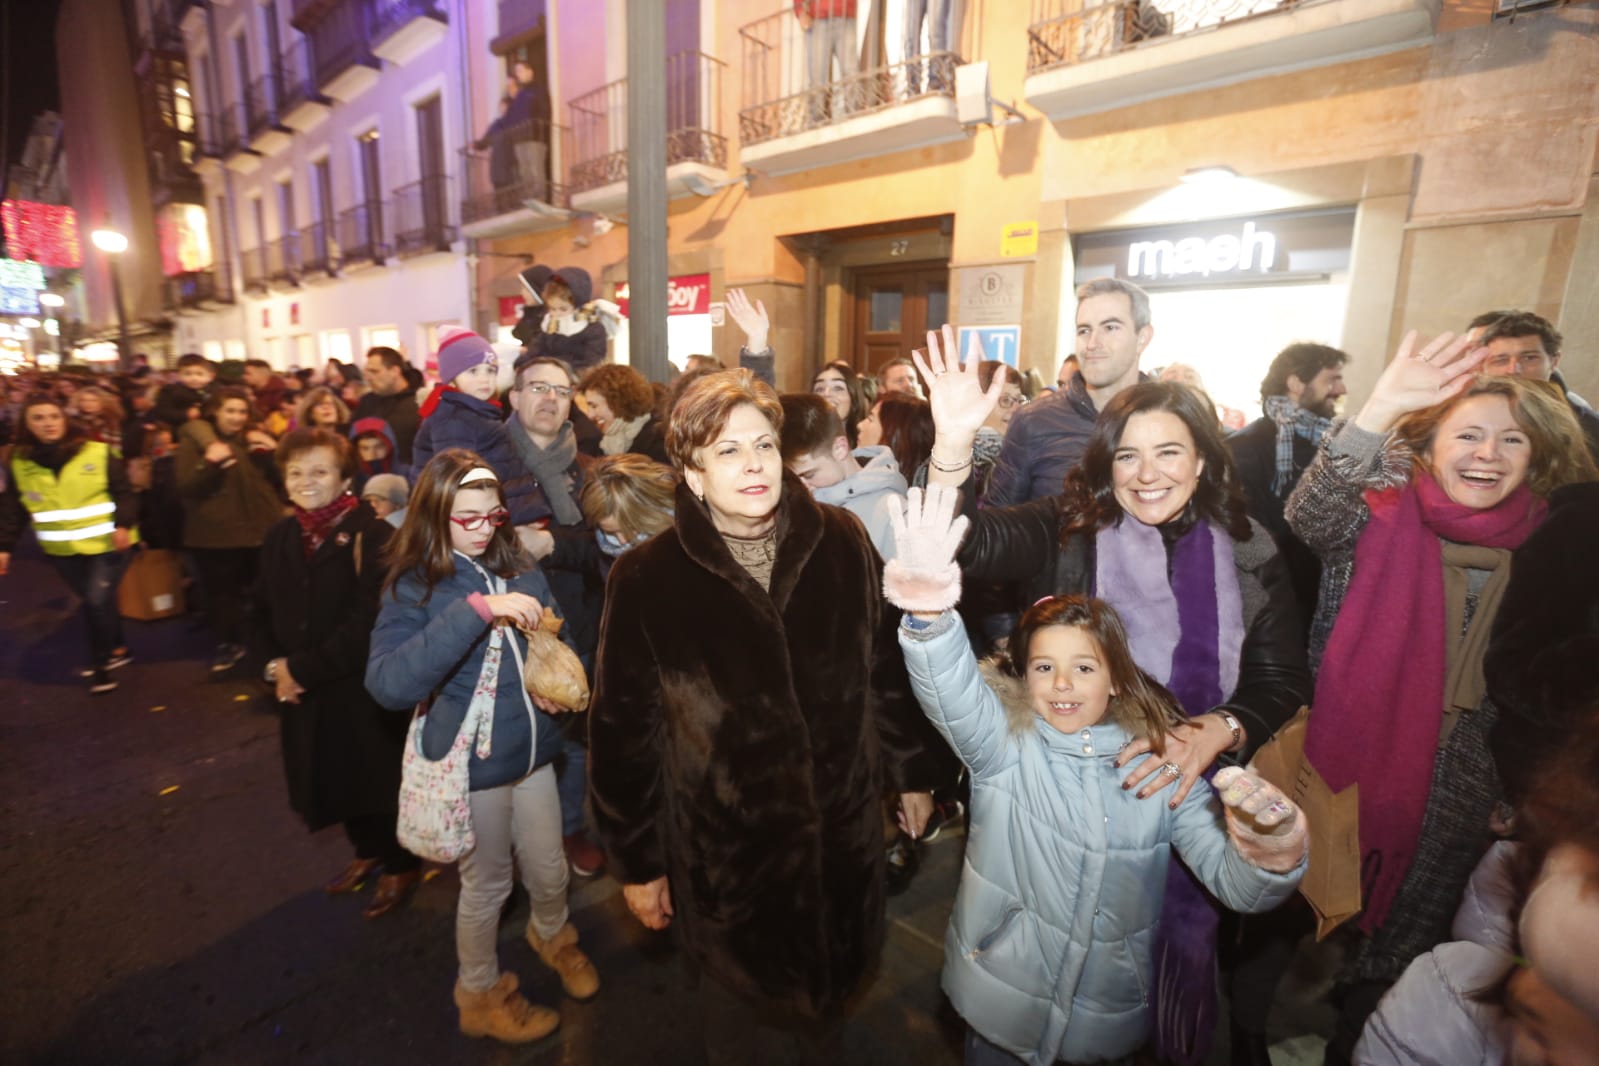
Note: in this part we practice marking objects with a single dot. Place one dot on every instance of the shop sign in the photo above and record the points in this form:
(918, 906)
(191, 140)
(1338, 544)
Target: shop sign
(1291, 246)
(510, 310)
(20, 284)
(1003, 343)
(686, 295)
(990, 296)
(1019, 240)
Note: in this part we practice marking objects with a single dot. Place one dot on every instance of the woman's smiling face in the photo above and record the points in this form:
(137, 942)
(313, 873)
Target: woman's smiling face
(1156, 467)
(1479, 454)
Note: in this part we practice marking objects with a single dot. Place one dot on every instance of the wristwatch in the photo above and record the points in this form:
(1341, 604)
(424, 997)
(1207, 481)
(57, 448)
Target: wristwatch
(1235, 726)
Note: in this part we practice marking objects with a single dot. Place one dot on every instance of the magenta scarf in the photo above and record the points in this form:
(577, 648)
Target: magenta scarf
(1380, 689)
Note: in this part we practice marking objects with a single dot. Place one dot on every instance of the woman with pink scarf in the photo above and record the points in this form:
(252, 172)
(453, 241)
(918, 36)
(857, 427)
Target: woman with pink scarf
(1415, 506)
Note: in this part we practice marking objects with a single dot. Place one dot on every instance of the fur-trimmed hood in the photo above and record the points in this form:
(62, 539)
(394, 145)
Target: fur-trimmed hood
(1012, 692)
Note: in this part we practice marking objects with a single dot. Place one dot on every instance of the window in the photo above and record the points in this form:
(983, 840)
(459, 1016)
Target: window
(322, 184)
(212, 350)
(385, 336)
(336, 345)
(286, 220)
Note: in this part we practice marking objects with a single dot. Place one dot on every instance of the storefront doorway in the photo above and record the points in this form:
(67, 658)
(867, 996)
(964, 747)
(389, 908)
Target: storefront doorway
(891, 309)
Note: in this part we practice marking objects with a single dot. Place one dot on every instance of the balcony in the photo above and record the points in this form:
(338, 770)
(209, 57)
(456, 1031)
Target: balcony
(421, 217)
(788, 123)
(207, 144)
(338, 33)
(237, 155)
(404, 29)
(199, 290)
(267, 134)
(696, 150)
(1082, 60)
(360, 237)
(508, 190)
(252, 270)
(319, 256)
(301, 106)
(283, 262)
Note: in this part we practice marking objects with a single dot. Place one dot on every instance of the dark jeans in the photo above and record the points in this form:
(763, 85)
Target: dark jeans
(373, 837)
(1256, 951)
(94, 578)
(227, 574)
(571, 781)
(739, 1031)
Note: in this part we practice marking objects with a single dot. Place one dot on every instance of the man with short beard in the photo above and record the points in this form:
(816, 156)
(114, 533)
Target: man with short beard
(545, 441)
(1300, 395)
(390, 398)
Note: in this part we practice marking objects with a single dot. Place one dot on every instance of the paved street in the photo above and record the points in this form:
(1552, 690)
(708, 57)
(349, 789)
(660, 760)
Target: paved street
(162, 904)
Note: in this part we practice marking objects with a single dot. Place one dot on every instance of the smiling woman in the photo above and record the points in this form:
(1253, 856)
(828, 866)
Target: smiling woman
(1416, 532)
(750, 709)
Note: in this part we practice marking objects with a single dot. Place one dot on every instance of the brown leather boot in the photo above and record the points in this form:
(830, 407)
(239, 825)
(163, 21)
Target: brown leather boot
(560, 953)
(503, 1013)
(394, 890)
(353, 878)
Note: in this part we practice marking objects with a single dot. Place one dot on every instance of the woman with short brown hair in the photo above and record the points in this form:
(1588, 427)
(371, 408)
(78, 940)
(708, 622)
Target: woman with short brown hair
(749, 705)
(621, 402)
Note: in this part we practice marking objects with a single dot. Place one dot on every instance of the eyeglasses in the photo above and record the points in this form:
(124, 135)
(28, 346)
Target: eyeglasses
(476, 522)
(1007, 402)
(544, 388)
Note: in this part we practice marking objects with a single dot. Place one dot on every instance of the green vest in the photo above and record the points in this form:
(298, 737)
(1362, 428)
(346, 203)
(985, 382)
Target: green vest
(73, 513)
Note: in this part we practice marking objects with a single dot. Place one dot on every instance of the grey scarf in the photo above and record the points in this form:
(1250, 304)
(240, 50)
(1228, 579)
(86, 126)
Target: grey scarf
(549, 466)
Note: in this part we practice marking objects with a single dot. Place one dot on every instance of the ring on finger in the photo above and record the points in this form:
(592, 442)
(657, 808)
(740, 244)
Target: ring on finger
(1172, 770)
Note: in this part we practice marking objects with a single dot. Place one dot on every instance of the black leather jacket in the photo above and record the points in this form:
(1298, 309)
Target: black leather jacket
(1022, 544)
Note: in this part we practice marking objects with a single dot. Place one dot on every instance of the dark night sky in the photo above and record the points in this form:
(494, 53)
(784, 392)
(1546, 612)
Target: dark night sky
(29, 30)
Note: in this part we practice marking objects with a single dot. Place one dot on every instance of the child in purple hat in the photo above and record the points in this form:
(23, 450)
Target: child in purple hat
(464, 413)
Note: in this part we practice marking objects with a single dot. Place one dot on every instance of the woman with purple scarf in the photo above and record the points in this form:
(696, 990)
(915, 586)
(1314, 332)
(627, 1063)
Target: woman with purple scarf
(1415, 506)
(1153, 522)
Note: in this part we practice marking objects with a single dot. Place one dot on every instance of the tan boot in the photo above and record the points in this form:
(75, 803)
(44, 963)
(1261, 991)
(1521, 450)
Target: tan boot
(561, 954)
(503, 1013)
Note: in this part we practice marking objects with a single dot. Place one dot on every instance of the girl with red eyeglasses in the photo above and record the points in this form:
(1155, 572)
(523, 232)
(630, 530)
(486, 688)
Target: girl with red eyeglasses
(459, 586)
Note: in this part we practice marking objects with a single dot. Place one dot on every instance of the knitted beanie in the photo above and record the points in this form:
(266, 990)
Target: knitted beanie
(459, 351)
(391, 487)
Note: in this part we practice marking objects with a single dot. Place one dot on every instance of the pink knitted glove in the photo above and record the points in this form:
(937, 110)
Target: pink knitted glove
(923, 576)
(1267, 828)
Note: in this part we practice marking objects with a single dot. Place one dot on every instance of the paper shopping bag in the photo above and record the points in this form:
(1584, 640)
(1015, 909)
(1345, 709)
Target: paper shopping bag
(152, 587)
(1331, 884)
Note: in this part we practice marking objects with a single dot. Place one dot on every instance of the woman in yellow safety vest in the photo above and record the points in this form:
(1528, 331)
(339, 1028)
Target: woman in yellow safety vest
(76, 493)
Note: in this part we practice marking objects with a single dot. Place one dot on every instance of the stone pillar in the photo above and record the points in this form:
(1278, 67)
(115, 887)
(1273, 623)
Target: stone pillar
(646, 187)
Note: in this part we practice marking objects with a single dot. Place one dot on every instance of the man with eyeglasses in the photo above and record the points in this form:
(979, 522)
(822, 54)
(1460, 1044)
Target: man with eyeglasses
(1528, 346)
(546, 441)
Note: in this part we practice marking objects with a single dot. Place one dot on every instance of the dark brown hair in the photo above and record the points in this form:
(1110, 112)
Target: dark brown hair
(221, 395)
(810, 425)
(1142, 706)
(1090, 494)
(422, 546)
(1559, 452)
(858, 403)
(305, 438)
(75, 436)
(907, 423)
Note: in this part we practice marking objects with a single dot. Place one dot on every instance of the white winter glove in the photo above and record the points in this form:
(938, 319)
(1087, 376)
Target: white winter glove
(1266, 827)
(923, 576)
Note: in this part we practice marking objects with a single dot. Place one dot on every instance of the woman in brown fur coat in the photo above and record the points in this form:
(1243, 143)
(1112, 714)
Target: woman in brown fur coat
(750, 708)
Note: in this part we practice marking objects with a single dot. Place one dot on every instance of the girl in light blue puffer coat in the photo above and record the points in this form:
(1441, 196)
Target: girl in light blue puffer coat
(1048, 955)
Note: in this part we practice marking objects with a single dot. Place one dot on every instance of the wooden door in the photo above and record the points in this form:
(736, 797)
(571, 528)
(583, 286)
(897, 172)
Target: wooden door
(893, 308)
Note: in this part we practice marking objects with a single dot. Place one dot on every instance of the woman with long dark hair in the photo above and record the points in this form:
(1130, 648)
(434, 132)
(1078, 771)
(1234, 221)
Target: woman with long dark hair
(1153, 522)
(903, 423)
(75, 492)
(839, 385)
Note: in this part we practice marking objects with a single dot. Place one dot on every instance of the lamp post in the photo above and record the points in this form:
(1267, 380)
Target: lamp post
(113, 244)
(52, 302)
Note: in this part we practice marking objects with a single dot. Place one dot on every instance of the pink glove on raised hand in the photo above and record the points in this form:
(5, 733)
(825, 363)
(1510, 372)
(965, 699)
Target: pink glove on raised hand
(1267, 828)
(923, 576)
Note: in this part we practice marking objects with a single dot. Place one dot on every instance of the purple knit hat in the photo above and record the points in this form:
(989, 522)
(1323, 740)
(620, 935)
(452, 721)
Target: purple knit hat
(459, 351)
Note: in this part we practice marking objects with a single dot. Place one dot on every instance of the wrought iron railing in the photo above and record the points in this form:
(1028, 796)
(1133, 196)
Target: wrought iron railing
(199, 288)
(1064, 32)
(208, 136)
(339, 38)
(693, 122)
(317, 253)
(422, 216)
(361, 234)
(781, 97)
(507, 167)
(296, 85)
(388, 17)
(252, 269)
(261, 104)
(232, 129)
(283, 259)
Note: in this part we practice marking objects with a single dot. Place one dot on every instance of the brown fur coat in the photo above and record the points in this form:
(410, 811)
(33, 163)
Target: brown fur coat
(741, 744)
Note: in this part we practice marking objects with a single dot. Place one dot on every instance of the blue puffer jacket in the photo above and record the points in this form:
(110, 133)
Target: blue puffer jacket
(462, 421)
(1049, 950)
(436, 648)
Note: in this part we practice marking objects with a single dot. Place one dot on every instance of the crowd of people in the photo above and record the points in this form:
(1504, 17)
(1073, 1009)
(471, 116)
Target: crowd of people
(822, 626)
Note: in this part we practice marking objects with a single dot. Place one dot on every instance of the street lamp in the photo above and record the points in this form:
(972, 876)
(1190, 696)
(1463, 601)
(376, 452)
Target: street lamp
(113, 244)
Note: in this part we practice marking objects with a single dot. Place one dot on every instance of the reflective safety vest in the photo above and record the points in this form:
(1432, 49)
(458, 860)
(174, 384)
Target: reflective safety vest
(73, 513)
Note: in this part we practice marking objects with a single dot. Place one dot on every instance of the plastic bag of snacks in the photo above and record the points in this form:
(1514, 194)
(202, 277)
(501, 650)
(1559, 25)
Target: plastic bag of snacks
(553, 670)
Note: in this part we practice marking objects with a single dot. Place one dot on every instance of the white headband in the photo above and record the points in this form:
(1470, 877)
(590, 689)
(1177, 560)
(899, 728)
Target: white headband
(478, 473)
